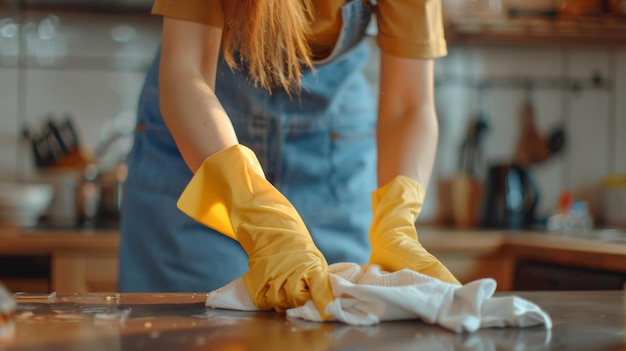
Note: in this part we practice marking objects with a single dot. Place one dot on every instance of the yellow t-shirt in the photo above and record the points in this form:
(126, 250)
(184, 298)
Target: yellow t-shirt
(406, 28)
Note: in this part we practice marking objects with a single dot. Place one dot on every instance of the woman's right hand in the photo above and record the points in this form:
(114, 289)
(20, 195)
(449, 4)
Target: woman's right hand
(230, 194)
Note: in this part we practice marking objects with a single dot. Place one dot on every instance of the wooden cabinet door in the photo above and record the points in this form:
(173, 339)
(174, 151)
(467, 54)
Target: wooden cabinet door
(83, 272)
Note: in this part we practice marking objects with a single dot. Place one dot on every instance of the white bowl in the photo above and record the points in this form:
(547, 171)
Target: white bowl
(24, 203)
(20, 219)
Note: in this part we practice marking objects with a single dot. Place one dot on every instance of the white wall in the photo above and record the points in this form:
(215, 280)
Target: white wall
(100, 77)
(95, 74)
(595, 117)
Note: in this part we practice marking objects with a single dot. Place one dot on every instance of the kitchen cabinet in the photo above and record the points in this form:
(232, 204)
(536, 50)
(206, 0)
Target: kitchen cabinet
(498, 267)
(531, 260)
(25, 272)
(84, 272)
(79, 261)
(84, 261)
(63, 272)
(530, 275)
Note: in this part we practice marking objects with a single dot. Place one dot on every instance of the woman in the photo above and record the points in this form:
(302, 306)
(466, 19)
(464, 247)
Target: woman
(259, 114)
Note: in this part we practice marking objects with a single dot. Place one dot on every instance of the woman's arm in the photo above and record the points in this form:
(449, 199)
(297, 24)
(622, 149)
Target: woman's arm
(407, 143)
(407, 120)
(192, 112)
(229, 191)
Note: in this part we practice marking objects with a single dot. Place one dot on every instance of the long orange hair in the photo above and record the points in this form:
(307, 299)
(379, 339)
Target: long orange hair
(270, 38)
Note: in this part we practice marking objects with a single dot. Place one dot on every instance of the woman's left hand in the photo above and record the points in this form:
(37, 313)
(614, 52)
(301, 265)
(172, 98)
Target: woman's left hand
(393, 235)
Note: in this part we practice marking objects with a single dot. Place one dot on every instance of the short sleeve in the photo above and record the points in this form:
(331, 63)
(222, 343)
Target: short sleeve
(209, 12)
(411, 28)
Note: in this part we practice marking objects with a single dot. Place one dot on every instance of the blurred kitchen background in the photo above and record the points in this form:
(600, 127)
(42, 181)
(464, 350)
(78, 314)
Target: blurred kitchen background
(531, 101)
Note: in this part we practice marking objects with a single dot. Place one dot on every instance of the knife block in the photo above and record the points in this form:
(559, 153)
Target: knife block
(466, 192)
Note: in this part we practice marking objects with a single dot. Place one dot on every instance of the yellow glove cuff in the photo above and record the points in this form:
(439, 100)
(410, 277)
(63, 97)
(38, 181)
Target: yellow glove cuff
(401, 195)
(230, 186)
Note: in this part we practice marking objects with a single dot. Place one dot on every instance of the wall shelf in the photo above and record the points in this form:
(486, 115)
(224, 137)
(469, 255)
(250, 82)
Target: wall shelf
(608, 32)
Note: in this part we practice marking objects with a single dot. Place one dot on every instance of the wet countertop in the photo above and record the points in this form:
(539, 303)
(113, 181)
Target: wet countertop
(582, 321)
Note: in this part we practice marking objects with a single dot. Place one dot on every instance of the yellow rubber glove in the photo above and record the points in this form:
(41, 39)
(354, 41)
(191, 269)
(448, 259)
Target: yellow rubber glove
(393, 236)
(230, 194)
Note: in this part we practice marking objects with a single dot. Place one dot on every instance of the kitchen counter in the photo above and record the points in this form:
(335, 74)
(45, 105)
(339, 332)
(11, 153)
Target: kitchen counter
(595, 249)
(86, 260)
(581, 321)
(79, 260)
(47, 241)
(442, 240)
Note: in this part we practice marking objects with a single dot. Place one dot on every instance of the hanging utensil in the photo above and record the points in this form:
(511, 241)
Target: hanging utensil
(556, 141)
(531, 145)
(479, 127)
(470, 153)
(66, 134)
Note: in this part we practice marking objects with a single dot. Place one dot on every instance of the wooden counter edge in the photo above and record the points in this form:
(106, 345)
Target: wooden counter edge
(46, 242)
(439, 241)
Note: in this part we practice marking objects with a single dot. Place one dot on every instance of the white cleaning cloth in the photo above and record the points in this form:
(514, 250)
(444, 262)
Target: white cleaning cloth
(366, 296)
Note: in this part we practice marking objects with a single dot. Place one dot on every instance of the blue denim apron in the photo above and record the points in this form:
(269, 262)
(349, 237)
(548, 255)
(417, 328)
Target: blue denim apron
(317, 148)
